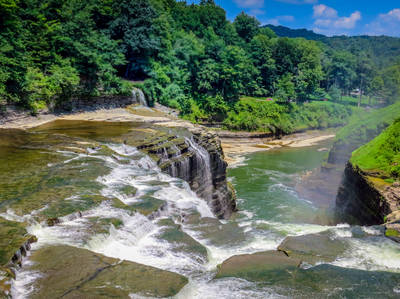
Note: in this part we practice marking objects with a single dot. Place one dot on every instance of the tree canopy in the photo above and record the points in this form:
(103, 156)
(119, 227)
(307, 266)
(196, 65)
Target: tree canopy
(187, 56)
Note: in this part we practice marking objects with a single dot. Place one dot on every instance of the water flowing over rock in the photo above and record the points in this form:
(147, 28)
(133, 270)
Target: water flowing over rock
(139, 97)
(197, 159)
(71, 272)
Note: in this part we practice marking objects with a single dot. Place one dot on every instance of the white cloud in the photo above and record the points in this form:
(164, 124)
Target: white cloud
(277, 20)
(250, 3)
(323, 11)
(327, 20)
(385, 24)
(348, 22)
(298, 1)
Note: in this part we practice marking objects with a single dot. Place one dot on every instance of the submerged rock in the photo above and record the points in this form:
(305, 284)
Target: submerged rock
(71, 272)
(181, 241)
(283, 274)
(260, 266)
(313, 248)
(14, 245)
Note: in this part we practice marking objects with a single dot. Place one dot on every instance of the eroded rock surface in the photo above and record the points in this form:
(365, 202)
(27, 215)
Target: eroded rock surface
(71, 272)
(313, 248)
(260, 266)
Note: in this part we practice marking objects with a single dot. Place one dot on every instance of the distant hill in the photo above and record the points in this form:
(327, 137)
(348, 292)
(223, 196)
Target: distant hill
(383, 50)
(282, 31)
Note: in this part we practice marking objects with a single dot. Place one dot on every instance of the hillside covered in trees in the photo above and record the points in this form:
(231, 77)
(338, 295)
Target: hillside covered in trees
(189, 57)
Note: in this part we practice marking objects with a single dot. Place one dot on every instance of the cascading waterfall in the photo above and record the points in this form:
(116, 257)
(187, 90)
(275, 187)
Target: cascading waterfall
(139, 97)
(151, 238)
(203, 158)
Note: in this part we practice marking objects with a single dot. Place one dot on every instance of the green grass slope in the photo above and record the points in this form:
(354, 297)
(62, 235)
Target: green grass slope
(362, 128)
(382, 154)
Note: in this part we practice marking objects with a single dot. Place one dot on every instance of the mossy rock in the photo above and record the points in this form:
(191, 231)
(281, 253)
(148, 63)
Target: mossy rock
(102, 225)
(216, 232)
(146, 205)
(62, 208)
(392, 231)
(276, 270)
(182, 241)
(313, 248)
(260, 266)
(6, 276)
(71, 272)
(13, 236)
(128, 190)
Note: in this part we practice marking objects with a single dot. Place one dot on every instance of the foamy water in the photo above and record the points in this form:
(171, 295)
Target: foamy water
(138, 238)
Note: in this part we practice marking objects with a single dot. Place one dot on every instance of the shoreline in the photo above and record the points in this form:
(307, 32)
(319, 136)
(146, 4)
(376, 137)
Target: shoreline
(236, 145)
(236, 149)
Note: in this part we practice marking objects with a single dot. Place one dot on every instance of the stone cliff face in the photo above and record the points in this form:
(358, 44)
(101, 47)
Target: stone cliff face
(366, 200)
(198, 159)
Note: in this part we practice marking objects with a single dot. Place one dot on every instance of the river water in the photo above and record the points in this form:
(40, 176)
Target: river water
(270, 209)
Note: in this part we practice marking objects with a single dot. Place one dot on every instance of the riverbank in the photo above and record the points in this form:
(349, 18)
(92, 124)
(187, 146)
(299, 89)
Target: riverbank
(235, 144)
(236, 148)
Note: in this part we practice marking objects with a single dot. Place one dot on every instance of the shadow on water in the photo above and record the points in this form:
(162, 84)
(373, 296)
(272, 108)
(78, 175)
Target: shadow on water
(269, 185)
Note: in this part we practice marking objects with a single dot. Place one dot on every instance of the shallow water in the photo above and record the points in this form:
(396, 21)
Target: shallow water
(270, 209)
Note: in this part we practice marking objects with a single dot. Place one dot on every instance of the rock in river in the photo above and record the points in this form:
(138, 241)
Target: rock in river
(313, 248)
(260, 266)
(71, 272)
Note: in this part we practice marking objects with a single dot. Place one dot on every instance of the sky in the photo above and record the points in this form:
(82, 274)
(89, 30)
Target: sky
(329, 17)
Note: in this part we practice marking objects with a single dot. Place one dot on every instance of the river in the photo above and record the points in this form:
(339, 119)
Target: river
(47, 163)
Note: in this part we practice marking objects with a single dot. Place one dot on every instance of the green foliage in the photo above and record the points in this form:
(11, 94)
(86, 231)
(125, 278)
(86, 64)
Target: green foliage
(366, 125)
(334, 93)
(188, 56)
(266, 116)
(246, 26)
(382, 153)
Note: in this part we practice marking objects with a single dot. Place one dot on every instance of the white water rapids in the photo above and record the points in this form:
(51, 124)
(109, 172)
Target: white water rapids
(137, 239)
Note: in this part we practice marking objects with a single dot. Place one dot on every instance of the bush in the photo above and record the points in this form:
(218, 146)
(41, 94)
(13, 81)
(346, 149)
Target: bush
(257, 115)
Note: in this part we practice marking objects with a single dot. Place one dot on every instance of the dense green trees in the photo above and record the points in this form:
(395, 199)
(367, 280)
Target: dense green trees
(188, 57)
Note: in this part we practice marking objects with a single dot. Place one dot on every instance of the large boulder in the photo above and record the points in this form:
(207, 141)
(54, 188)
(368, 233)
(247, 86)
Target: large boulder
(260, 266)
(313, 248)
(71, 272)
(275, 270)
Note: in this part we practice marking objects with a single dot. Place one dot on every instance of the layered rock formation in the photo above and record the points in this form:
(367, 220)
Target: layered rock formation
(197, 158)
(369, 193)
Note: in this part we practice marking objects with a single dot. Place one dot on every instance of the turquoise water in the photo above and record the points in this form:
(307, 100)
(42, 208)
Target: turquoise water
(266, 184)
(74, 161)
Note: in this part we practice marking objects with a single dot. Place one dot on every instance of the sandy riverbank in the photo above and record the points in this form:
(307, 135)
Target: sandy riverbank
(129, 114)
(236, 148)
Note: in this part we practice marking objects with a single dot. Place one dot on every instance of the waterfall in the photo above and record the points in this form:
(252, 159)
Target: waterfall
(203, 158)
(138, 96)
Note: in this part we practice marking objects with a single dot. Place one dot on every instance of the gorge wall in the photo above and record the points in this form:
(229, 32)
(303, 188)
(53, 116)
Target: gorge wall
(198, 159)
(360, 201)
(370, 191)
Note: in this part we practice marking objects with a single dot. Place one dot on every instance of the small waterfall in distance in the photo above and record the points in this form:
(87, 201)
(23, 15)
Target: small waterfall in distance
(139, 97)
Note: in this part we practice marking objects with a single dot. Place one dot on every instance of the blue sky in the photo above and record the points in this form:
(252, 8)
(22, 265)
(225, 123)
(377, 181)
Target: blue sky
(329, 17)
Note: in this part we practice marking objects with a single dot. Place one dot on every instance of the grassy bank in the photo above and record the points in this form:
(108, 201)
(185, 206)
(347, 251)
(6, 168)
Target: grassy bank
(362, 128)
(382, 154)
(363, 125)
(258, 114)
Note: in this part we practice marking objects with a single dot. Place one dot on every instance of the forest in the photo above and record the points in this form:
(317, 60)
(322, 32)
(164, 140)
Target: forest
(186, 56)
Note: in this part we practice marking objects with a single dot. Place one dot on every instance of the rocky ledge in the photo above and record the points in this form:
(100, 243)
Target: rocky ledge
(196, 156)
(301, 261)
(71, 272)
(366, 199)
